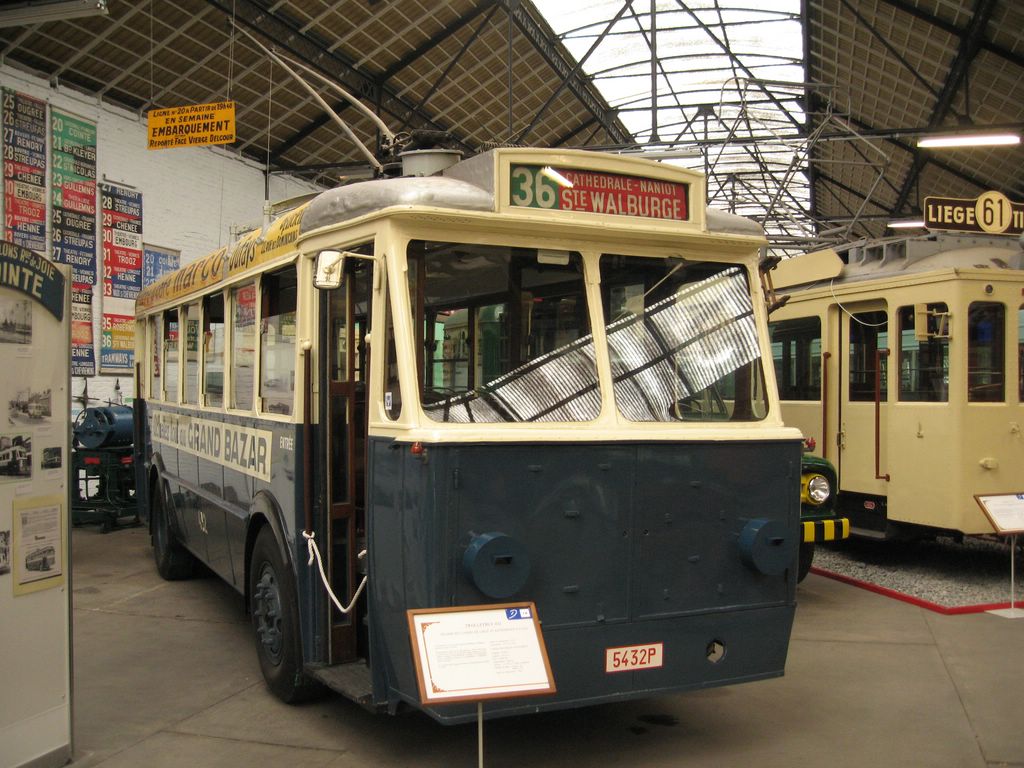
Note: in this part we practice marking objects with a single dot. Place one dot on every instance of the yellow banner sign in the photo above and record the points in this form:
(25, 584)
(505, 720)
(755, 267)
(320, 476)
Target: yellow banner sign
(195, 125)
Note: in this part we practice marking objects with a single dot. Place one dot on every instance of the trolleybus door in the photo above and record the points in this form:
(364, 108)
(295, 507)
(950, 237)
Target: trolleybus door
(863, 398)
(348, 310)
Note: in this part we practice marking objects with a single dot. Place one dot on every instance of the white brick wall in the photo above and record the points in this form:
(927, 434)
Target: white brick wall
(191, 198)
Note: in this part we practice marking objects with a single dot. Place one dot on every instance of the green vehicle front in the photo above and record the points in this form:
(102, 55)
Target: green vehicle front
(818, 517)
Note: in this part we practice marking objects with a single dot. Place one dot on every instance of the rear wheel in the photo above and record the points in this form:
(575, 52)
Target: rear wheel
(173, 561)
(274, 609)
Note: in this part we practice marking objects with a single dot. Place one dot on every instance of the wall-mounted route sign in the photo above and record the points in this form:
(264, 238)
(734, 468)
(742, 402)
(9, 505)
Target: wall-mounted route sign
(195, 125)
(573, 189)
(992, 213)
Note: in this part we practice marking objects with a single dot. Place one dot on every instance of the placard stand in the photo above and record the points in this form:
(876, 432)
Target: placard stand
(1006, 514)
(479, 652)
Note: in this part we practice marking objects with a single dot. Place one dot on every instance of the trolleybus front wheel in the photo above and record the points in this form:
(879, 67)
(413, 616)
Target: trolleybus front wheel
(274, 610)
(806, 557)
(173, 561)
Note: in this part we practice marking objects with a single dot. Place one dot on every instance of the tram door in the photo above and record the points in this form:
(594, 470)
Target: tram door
(348, 312)
(863, 398)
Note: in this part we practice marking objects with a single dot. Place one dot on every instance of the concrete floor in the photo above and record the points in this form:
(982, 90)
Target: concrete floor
(166, 675)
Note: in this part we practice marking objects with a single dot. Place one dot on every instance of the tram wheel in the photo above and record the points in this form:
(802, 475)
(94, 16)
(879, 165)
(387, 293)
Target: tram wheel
(274, 609)
(805, 558)
(173, 561)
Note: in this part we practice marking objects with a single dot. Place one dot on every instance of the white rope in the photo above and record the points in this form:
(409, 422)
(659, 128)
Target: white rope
(314, 553)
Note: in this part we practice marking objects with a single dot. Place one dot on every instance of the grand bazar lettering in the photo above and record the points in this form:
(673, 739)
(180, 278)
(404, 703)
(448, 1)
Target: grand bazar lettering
(236, 447)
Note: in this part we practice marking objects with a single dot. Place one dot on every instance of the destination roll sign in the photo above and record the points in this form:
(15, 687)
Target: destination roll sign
(992, 213)
(572, 189)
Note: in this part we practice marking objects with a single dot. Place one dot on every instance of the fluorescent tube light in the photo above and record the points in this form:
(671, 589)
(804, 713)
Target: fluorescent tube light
(550, 173)
(969, 140)
(27, 14)
(907, 224)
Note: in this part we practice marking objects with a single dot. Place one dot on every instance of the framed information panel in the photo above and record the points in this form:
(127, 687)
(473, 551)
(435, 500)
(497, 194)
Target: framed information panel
(472, 653)
(1005, 511)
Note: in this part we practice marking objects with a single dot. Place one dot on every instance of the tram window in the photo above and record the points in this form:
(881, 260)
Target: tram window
(243, 345)
(155, 346)
(924, 354)
(869, 332)
(985, 344)
(1020, 355)
(796, 352)
(279, 293)
(191, 323)
(682, 340)
(170, 356)
(213, 349)
(505, 334)
(392, 389)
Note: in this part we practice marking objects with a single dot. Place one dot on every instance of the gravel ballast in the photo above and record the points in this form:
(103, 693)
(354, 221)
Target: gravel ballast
(945, 572)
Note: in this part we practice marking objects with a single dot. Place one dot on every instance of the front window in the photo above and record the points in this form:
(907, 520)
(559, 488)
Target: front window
(505, 333)
(682, 340)
(924, 352)
(985, 346)
(279, 294)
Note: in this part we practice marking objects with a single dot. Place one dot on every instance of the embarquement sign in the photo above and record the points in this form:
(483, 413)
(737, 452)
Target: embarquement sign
(194, 125)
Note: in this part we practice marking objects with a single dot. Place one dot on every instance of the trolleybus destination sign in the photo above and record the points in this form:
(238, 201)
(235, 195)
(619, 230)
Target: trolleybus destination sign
(992, 212)
(572, 189)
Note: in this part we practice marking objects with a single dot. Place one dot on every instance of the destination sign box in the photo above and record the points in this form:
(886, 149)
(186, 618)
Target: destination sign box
(572, 189)
(992, 213)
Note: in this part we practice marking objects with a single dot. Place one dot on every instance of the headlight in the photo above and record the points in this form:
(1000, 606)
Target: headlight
(815, 489)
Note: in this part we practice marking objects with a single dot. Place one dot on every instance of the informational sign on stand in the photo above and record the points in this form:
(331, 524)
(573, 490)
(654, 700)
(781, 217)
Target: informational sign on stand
(473, 653)
(1005, 511)
(35, 637)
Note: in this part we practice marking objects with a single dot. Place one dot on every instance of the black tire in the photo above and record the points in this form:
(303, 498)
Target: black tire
(173, 561)
(805, 558)
(274, 609)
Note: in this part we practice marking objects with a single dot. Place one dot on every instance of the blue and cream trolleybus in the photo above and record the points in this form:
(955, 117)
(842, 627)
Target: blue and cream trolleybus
(531, 375)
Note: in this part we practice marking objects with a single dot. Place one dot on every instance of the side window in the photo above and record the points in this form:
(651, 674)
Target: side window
(796, 351)
(170, 355)
(278, 297)
(191, 322)
(1020, 354)
(155, 363)
(924, 353)
(986, 329)
(243, 345)
(392, 390)
(869, 332)
(213, 349)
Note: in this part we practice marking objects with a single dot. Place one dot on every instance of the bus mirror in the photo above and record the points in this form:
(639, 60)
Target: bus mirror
(330, 266)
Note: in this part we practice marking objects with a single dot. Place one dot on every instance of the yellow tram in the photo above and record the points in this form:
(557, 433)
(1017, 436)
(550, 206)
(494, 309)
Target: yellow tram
(906, 364)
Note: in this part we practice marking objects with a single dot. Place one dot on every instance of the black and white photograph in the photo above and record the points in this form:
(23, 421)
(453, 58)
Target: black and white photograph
(52, 458)
(5, 552)
(15, 321)
(15, 457)
(30, 407)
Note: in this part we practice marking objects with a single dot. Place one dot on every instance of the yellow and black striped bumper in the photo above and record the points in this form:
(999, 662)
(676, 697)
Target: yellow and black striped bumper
(826, 530)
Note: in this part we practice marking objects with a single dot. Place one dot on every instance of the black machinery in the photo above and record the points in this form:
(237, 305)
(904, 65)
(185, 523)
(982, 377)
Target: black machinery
(102, 471)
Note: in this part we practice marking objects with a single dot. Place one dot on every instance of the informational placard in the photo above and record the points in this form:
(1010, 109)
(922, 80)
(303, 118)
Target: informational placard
(193, 125)
(24, 153)
(1005, 511)
(473, 653)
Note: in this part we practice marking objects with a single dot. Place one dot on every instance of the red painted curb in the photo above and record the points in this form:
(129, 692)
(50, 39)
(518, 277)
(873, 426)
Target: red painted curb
(909, 598)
